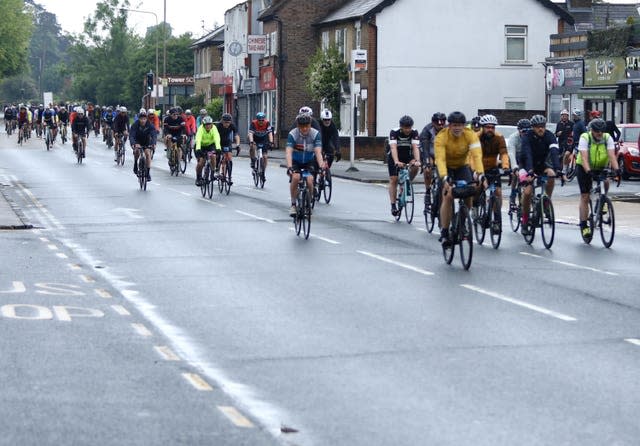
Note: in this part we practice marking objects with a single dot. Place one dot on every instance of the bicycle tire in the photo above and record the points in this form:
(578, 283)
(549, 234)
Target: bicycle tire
(328, 188)
(591, 223)
(227, 183)
(515, 214)
(204, 186)
(607, 222)
(571, 170)
(547, 221)
(255, 172)
(47, 141)
(183, 162)
(298, 217)
(465, 231)
(210, 178)
(79, 152)
(480, 217)
(409, 202)
(306, 222)
(142, 172)
(220, 179)
(532, 228)
(495, 223)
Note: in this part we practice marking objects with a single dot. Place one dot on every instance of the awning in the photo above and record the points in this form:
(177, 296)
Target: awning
(597, 93)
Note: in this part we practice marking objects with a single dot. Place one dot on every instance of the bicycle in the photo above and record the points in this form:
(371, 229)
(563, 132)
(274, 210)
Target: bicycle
(571, 167)
(142, 168)
(541, 215)
(601, 213)
(487, 211)
(175, 160)
(324, 183)
(460, 228)
(120, 155)
(63, 133)
(432, 207)
(404, 198)
(48, 140)
(225, 166)
(108, 134)
(208, 178)
(258, 171)
(81, 149)
(302, 218)
(515, 204)
(119, 142)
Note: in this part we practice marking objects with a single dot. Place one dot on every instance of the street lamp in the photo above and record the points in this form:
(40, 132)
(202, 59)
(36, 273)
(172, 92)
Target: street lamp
(157, 31)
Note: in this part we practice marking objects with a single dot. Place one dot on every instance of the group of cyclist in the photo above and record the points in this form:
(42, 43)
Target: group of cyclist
(477, 154)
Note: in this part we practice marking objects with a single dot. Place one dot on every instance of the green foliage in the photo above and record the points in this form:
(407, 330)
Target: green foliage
(324, 73)
(214, 108)
(18, 88)
(15, 33)
(609, 42)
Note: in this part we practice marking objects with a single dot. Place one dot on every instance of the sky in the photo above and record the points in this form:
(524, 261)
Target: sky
(182, 15)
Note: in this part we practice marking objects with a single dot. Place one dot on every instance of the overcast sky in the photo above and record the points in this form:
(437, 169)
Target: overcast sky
(182, 15)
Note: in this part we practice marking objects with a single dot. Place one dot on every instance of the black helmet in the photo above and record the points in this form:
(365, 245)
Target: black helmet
(303, 119)
(524, 124)
(227, 117)
(475, 122)
(438, 116)
(406, 121)
(598, 125)
(457, 117)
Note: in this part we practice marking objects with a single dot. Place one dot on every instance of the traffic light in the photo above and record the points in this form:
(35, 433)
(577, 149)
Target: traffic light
(149, 81)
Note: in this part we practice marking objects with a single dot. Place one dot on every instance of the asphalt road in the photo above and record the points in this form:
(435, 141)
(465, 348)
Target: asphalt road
(360, 335)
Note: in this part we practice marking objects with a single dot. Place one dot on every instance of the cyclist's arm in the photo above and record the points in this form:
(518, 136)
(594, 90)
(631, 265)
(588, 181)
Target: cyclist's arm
(611, 151)
(525, 154)
(475, 154)
(199, 134)
(504, 153)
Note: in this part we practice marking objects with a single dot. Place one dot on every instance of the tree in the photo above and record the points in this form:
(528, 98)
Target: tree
(324, 74)
(15, 33)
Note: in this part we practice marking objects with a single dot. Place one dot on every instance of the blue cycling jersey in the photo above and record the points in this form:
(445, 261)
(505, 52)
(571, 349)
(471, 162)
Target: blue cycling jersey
(304, 145)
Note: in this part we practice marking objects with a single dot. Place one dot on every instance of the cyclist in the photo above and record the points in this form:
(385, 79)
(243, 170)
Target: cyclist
(174, 126)
(153, 119)
(107, 122)
(564, 133)
(63, 116)
(9, 116)
(427, 138)
(304, 151)
(260, 132)
(515, 141)
(80, 127)
(229, 138)
(142, 135)
(330, 138)
(190, 128)
(613, 130)
(97, 119)
(121, 127)
(579, 126)
(50, 119)
(37, 118)
(23, 118)
(306, 110)
(494, 157)
(403, 151)
(201, 115)
(539, 157)
(596, 150)
(207, 144)
(454, 147)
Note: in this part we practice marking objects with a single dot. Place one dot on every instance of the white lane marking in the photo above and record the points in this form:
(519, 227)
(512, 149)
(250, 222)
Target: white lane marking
(28, 196)
(400, 264)
(17, 287)
(103, 293)
(324, 239)
(573, 265)
(520, 303)
(236, 417)
(179, 192)
(211, 202)
(196, 381)
(74, 266)
(44, 239)
(166, 353)
(52, 247)
(62, 255)
(633, 341)
(141, 330)
(87, 279)
(122, 311)
(268, 220)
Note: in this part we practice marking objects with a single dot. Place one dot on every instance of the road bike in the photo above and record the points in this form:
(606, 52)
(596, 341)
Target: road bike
(142, 168)
(601, 214)
(108, 136)
(461, 227)
(208, 178)
(225, 166)
(120, 142)
(80, 153)
(541, 215)
(324, 183)
(302, 217)
(432, 200)
(258, 170)
(120, 155)
(48, 139)
(177, 163)
(487, 211)
(405, 195)
(515, 203)
(63, 133)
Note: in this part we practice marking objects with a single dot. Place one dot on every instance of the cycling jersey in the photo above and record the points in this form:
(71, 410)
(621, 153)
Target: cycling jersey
(579, 128)
(597, 151)
(454, 152)
(207, 138)
(144, 135)
(540, 152)
(260, 131)
(190, 124)
(121, 123)
(515, 141)
(492, 148)
(80, 125)
(304, 145)
(174, 126)
(63, 116)
(227, 134)
(403, 144)
(427, 138)
(566, 133)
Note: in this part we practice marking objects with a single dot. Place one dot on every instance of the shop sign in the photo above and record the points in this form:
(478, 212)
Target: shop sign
(604, 71)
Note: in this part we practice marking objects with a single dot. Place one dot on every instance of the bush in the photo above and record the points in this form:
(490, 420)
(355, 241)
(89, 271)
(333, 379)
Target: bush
(214, 108)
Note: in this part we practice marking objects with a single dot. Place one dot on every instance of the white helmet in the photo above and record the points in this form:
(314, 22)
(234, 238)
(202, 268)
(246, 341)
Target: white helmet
(488, 119)
(564, 112)
(151, 111)
(326, 114)
(80, 110)
(123, 109)
(142, 110)
(305, 110)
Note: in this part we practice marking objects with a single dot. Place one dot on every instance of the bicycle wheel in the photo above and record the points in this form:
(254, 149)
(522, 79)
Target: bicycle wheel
(183, 162)
(47, 140)
(465, 232)
(80, 151)
(607, 222)
(590, 223)
(255, 172)
(227, 182)
(547, 221)
(204, 186)
(515, 214)
(479, 212)
(399, 203)
(495, 223)
(306, 222)
(297, 219)
(327, 186)
(533, 219)
(431, 210)
(220, 179)
(409, 202)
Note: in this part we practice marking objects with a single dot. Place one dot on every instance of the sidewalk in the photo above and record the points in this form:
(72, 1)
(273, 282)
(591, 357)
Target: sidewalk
(9, 218)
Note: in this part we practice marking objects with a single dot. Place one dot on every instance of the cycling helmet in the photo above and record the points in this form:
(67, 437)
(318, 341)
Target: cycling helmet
(326, 114)
(179, 109)
(187, 112)
(123, 109)
(203, 111)
(595, 114)
(80, 111)
(142, 110)
(260, 115)
(564, 112)
(151, 111)
(305, 110)
(488, 120)
(457, 117)
(406, 121)
(110, 108)
(303, 119)
(438, 116)
(475, 122)
(227, 117)
(524, 124)
(538, 120)
(173, 111)
(598, 125)
(577, 112)
(207, 120)
(142, 113)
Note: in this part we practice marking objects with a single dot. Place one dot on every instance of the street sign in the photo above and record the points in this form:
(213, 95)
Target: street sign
(256, 44)
(358, 60)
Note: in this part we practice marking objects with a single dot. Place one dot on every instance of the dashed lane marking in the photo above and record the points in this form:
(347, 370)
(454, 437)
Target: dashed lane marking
(197, 382)
(268, 220)
(62, 255)
(633, 341)
(141, 330)
(122, 311)
(166, 353)
(103, 293)
(573, 265)
(400, 264)
(236, 417)
(87, 279)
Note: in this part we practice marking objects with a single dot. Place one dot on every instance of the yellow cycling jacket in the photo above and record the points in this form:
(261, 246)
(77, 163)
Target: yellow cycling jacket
(207, 138)
(454, 152)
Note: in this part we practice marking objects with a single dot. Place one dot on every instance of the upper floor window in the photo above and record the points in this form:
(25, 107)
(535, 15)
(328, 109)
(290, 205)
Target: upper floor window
(325, 40)
(341, 40)
(515, 43)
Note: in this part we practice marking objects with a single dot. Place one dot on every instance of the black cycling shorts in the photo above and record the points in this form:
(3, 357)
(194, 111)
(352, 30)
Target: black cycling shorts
(202, 153)
(310, 166)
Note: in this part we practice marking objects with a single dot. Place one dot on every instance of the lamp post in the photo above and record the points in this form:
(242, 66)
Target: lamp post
(155, 81)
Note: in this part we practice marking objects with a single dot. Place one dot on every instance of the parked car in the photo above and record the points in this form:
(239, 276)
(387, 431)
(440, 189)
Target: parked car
(628, 152)
(507, 131)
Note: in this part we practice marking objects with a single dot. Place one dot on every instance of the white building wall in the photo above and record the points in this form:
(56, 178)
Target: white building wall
(450, 56)
(236, 22)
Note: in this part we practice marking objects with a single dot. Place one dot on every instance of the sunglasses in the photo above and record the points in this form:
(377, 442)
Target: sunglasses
(490, 127)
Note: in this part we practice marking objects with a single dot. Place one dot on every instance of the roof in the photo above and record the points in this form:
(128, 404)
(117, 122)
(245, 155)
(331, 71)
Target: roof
(272, 11)
(356, 9)
(214, 37)
(602, 15)
(561, 12)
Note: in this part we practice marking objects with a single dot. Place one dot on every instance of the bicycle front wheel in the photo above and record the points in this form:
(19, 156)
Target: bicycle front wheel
(306, 222)
(495, 223)
(479, 211)
(607, 221)
(142, 176)
(548, 221)
(183, 161)
(204, 186)
(433, 210)
(466, 237)
(227, 182)
(515, 214)
(256, 172)
(327, 186)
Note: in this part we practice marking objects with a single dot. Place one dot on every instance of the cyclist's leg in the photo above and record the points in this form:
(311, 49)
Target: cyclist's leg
(551, 181)
(393, 185)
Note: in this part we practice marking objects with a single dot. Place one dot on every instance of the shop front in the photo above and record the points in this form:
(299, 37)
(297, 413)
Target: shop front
(564, 81)
(601, 90)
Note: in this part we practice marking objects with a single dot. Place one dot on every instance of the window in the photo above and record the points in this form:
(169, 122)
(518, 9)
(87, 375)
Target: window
(325, 40)
(516, 44)
(515, 105)
(341, 40)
